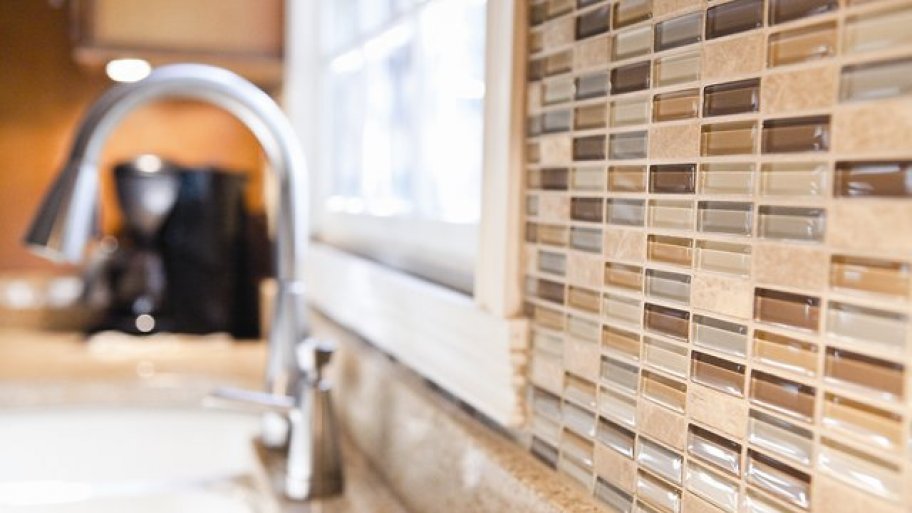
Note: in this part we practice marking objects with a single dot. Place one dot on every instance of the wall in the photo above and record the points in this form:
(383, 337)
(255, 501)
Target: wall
(718, 251)
(42, 96)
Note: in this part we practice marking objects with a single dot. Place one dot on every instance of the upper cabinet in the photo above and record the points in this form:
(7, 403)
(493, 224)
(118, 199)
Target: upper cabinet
(246, 36)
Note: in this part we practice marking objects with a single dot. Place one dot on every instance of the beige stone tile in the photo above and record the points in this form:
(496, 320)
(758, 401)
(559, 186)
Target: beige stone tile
(674, 141)
(591, 53)
(662, 7)
(728, 58)
(715, 409)
(615, 468)
(548, 373)
(662, 424)
(585, 270)
(872, 127)
(534, 96)
(804, 89)
(625, 245)
(582, 358)
(805, 267)
(877, 226)
(556, 150)
(722, 294)
(832, 496)
(690, 503)
(530, 259)
(553, 207)
(559, 33)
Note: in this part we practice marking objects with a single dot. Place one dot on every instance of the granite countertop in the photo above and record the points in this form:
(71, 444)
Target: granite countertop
(40, 369)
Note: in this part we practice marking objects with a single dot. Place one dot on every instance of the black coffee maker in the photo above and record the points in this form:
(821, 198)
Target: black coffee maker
(188, 258)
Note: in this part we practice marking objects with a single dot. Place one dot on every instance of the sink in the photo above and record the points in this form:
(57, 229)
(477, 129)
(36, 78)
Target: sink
(79, 459)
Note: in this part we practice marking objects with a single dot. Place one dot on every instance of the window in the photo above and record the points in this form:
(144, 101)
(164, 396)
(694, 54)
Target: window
(400, 100)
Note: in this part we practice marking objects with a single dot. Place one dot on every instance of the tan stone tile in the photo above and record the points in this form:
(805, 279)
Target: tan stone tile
(722, 294)
(732, 57)
(882, 225)
(615, 468)
(805, 267)
(674, 141)
(832, 496)
(662, 424)
(625, 245)
(530, 259)
(872, 127)
(548, 373)
(556, 150)
(804, 89)
(715, 409)
(582, 358)
(591, 53)
(663, 7)
(585, 270)
(559, 33)
(553, 207)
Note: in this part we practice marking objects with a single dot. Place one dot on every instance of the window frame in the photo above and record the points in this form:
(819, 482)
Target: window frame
(475, 346)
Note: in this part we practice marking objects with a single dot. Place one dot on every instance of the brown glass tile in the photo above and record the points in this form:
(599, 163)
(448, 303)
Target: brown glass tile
(533, 179)
(592, 86)
(621, 342)
(785, 353)
(783, 395)
(624, 276)
(733, 17)
(673, 178)
(676, 105)
(778, 479)
(550, 291)
(871, 81)
(670, 250)
(796, 134)
(583, 3)
(586, 209)
(732, 98)
(589, 148)
(591, 116)
(717, 373)
(665, 391)
(628, 12)
(630, 78)
(667, 321)
(786, 309)
(869, 275)
(531, 232)
(594, 22)
(718, 451)
(865, 371)
(873, 178)
(872, 425)
(554, 179)
(878, 30)
(584, 299)
(781, 11)
(557, 63)
(627, 178)
(559, 7)
(555, 121)
(536, 69)
(536, 41)
(533, 152)
(737, 138)
(627, 145)
(626, 212)
(680, 31)
(803, 44)
(534, 125)
(538, 13)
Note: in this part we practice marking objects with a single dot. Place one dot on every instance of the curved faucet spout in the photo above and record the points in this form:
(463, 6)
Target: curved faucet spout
(64, 224)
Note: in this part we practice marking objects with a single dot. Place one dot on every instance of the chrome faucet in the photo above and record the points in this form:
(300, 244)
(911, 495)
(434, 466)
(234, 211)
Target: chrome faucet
(66, 219)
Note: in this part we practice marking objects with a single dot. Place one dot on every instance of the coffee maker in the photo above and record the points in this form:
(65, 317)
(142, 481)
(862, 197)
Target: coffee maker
(188, 256)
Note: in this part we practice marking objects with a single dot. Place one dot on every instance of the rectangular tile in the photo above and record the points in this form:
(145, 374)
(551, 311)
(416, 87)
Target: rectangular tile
(724, 257)
(738, 138)
(721, 336)
(873, 179)
(628, 145)
(870, 276)
(873, 375)
(627, 178)
(735, 218)
(779, 479)
(791, 223)
(679, 31)
(803, 44)
(731, 98)
(628, 12)
(593, 22)
(876, 80)
(781, 11)
(717, 373)
(633, 42)
(780, 437)
(877, 30)
(782, 395)
(733, 17)
(672, 178)
(729, 178)
(676, 105)
(679, 68)
(630, 78)
(787, 309)
(793, 178)
(792, 135)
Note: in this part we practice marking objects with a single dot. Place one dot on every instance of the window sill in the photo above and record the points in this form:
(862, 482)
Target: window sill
(440, 333)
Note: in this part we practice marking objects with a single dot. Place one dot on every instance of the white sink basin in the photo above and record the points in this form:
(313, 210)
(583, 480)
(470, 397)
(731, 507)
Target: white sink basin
(100, 460)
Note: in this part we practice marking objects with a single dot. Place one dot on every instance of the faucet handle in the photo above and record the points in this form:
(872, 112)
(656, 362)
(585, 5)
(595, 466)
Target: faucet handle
(313, 355)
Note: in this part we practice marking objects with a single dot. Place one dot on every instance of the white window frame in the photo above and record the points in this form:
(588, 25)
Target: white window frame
(475, 346)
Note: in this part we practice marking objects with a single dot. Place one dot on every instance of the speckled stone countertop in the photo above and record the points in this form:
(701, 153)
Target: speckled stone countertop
(407, 447)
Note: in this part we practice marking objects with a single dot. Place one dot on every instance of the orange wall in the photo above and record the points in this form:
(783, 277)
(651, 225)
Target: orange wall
(42, 96)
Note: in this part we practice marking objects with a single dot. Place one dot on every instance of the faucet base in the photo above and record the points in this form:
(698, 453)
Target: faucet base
(288, 492)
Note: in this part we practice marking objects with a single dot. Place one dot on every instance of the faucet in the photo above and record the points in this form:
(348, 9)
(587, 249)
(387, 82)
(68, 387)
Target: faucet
(66, 219)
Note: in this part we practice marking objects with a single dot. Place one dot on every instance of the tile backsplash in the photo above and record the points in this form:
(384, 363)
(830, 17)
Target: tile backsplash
(718, 251)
